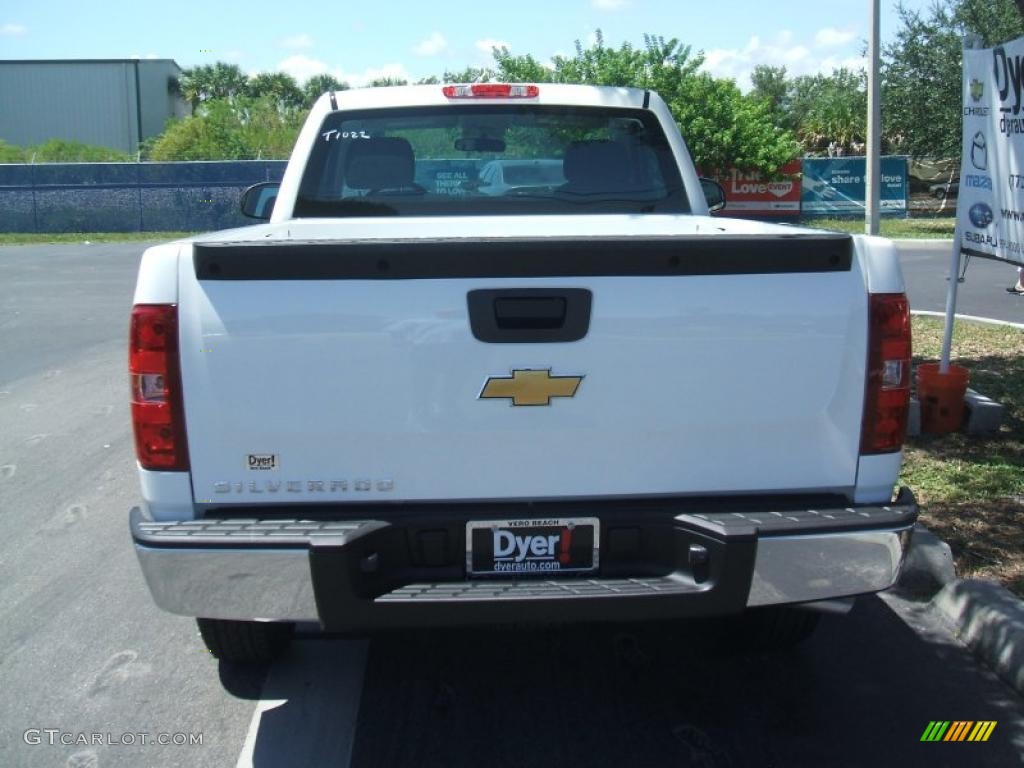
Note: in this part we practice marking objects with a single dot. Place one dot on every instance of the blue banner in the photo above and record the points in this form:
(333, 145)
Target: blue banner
(835, 186)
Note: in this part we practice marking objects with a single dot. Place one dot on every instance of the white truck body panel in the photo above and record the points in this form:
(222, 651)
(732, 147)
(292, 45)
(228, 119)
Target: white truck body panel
(342, 466)
(158, 275)
(693, 385)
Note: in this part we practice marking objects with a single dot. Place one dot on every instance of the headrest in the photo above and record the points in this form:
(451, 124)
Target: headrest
(597, 164)
(384, 163)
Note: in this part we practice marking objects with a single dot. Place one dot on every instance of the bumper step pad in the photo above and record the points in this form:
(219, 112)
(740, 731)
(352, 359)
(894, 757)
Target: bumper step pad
(900, 513)
(249, 532)
(533, 590)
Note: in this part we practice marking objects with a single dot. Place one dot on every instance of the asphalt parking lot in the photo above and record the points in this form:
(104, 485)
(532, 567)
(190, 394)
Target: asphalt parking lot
(982, 294)
(83, 651)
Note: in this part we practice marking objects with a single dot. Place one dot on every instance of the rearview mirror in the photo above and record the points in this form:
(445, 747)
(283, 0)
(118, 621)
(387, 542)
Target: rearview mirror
(714, 194)
(258, 200)
(479, 144)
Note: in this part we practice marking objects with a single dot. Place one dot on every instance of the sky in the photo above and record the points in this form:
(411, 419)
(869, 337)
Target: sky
(360, 41)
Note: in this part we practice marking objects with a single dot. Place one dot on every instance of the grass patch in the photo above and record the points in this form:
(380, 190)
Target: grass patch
(987, 539)
(31, 238)
(920, 228)
(971, 488)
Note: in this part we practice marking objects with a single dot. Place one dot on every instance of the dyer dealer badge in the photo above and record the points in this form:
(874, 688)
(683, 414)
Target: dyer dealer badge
(533, 546)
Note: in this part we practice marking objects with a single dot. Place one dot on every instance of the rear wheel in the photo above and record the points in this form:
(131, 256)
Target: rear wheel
(246, 642)
(775, 627)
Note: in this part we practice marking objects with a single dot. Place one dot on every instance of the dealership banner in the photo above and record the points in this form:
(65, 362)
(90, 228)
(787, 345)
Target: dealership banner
(749, 193)
(836, 186)
(990, 206)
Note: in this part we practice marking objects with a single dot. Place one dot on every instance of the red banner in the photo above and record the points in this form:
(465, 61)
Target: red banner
(748, 194)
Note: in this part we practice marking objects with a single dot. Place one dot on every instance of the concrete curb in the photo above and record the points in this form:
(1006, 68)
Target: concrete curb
(928, 566)
(968, 318)
(986, 617)
(989, 619)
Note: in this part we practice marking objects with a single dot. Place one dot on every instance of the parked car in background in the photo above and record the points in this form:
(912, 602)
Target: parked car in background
(945, 189)
(504, 177)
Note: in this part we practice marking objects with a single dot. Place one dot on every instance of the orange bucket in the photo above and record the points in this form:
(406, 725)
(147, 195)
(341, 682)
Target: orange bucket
(942, 397)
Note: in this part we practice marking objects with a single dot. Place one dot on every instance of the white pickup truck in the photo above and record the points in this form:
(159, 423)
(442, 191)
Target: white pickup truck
(407, 401)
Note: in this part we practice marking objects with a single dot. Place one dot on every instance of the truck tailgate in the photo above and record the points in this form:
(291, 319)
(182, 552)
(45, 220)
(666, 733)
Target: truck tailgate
(335, 371)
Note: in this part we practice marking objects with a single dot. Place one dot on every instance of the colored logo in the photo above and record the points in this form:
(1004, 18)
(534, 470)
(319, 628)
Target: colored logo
(979, 152)
(958, 730)
(510, 547)
(780, 188)
(530, 387)
(977, 90)
(981, 215)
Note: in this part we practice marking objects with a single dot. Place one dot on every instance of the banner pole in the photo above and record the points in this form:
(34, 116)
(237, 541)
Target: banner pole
(970, 41)
(954, 282)
(874, 126)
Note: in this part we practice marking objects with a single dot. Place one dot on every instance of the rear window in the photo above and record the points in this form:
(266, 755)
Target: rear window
(490, 159)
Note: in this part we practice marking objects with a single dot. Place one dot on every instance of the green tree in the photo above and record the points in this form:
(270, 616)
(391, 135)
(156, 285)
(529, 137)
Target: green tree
(828, 108)
(722, 127)
(771, 87)
(725, 129)
(9, 153)
(243, 128)
(276, 86)
(469, 75)
(212, 133)
(318, 85)
(386, 82)
(921, 70)
(518, 69)
(212, 81)
(269, 133)
(62, 151)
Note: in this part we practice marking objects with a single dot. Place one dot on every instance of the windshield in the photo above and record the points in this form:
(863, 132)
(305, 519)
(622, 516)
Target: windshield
(490, 159)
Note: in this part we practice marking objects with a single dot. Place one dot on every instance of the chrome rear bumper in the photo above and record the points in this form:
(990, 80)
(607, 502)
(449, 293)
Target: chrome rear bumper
(337, 572)
(798, 569)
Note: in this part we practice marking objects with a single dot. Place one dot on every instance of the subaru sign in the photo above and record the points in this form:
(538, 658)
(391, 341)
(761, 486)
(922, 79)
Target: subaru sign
(990, 206)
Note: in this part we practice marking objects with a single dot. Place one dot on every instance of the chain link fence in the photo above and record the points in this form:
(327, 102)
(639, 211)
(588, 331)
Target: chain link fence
(128, 197)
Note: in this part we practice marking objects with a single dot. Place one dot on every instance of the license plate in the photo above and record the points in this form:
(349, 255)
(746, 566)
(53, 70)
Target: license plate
(538, 547)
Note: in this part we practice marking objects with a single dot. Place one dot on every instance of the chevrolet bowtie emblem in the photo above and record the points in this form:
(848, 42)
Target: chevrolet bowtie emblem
(530, 387)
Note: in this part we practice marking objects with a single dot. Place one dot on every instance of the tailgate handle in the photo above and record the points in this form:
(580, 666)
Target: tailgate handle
(529, 315)
(513, 313)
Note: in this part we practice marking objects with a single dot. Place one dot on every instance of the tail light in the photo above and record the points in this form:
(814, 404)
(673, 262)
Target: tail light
(158, 415)
(491, 91)
(887, 398)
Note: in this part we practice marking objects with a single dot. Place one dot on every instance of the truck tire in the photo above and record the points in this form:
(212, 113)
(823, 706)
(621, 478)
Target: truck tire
(776, 627)
(246, 642)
